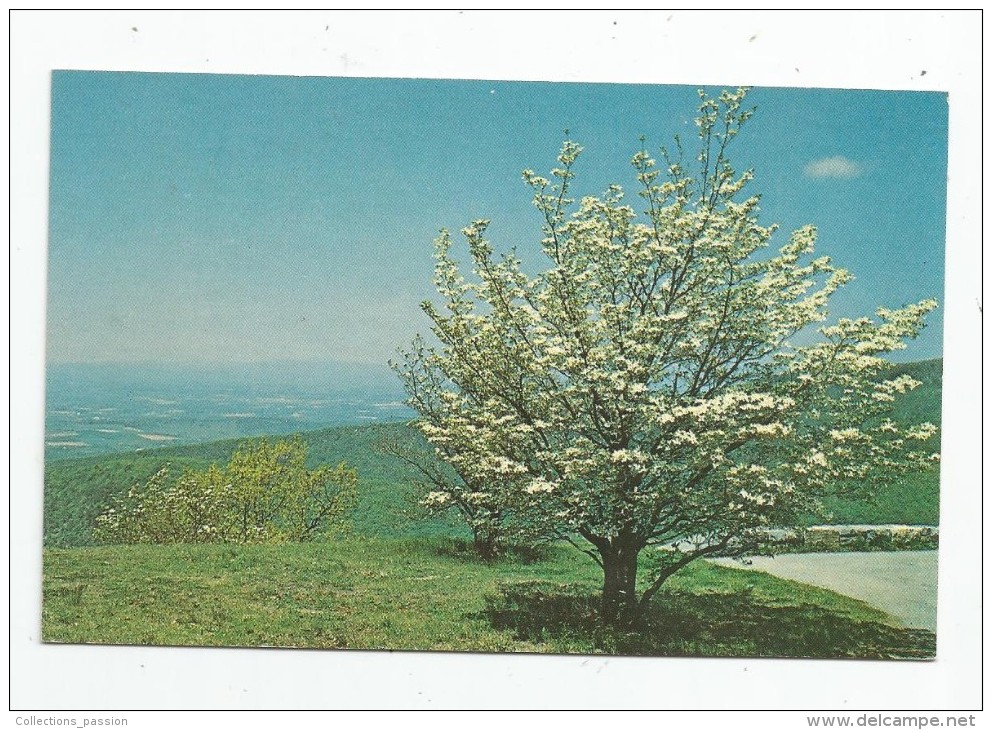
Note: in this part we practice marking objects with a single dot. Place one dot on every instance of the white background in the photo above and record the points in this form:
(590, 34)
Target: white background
(883, 50)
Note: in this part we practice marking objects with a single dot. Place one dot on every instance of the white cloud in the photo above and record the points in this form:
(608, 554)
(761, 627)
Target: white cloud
(837, 167)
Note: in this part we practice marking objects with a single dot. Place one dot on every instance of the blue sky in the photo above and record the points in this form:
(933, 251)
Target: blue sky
(228, 219)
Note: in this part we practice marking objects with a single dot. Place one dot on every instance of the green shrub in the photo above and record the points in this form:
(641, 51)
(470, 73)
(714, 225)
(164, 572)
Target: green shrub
(264, 494)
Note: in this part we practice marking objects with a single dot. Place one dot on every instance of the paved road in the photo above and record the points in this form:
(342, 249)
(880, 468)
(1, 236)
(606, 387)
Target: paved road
(903, 584)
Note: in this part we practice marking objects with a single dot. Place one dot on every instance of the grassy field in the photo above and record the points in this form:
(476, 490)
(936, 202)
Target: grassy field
(431, 593)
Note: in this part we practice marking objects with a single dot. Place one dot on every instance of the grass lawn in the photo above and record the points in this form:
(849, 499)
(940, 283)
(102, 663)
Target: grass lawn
(431, 593)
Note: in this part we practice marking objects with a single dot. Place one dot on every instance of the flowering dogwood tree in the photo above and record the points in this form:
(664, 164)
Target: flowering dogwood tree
(665, 382)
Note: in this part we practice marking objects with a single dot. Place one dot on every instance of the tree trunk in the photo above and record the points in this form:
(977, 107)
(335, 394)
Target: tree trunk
(620, 605)
(485, 542)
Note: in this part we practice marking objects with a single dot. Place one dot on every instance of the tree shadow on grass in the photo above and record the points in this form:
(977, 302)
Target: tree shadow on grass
(698, 624)
(464, 550)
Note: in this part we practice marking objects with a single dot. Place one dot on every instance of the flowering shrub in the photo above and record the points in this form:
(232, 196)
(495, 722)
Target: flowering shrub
(650, 383)
(494, 528)
(264, 494)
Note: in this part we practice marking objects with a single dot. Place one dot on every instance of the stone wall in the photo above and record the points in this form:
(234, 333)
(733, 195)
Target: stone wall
(839, 538)
(827, 538)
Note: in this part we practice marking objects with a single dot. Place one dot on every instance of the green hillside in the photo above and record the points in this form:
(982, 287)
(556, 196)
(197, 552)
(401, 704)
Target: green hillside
(76, 491)
(915, 498)
(922, 404)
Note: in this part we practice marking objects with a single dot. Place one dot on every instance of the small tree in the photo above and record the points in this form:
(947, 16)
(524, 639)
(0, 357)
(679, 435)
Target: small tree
(264, 494)
(443, 489)
(652, 386)
(276, 497)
